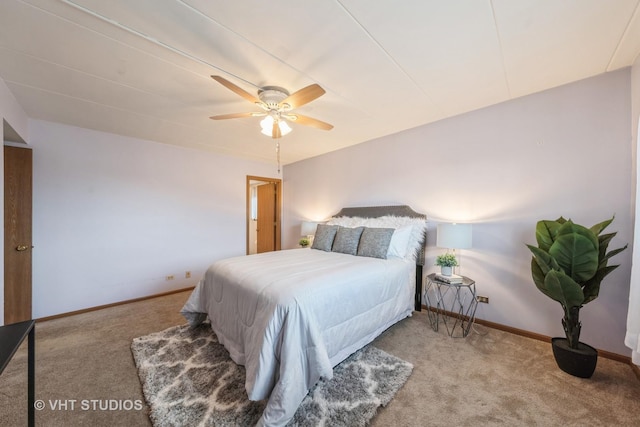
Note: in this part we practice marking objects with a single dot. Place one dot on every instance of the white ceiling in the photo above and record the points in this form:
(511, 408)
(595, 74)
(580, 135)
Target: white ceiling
(142, 68)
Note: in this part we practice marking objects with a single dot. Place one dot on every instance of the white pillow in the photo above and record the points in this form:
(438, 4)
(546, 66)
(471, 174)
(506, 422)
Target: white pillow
(399, 242)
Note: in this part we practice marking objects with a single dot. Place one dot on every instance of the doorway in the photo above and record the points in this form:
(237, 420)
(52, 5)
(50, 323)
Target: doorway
(264, 198)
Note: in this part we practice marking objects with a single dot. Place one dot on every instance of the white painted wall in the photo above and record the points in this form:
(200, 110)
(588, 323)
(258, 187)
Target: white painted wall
(565, 151)
(113, 216)
(12, 113)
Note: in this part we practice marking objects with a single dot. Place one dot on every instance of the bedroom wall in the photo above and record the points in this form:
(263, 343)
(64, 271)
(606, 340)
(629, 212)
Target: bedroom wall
(565, 151)
(113, 216)
(12, 113)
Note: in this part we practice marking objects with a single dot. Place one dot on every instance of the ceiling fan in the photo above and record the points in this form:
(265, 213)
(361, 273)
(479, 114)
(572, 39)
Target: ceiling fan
(276, 104)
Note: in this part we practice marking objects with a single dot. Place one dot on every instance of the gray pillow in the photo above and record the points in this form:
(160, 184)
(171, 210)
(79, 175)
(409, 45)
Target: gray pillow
(347, 240)
(374, 242)
(323, 240)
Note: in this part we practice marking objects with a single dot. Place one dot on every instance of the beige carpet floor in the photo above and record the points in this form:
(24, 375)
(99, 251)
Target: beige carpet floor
(489, 378)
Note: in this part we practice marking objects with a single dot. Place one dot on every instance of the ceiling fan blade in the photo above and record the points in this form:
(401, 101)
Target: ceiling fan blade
(275, 132)
(309, 121)
(243, 93)
(304, 96)
(234, 116)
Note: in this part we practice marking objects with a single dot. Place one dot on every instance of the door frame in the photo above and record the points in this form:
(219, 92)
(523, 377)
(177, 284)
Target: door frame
(278, 183)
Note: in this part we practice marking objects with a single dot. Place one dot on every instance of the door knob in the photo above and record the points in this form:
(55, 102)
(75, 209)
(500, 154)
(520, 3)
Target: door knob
(21, 248)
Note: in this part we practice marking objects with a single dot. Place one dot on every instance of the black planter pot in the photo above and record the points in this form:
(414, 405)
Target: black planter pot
(580, 362)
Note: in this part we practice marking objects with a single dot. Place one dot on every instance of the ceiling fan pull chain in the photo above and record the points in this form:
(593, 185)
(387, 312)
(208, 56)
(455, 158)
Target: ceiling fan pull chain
(278, 154)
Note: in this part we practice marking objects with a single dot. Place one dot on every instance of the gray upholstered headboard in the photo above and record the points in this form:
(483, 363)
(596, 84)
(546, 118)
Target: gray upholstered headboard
(399, 210)
(378, 211)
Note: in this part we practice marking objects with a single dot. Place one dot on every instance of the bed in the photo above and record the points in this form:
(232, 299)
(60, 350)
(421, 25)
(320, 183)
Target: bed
(290, 316)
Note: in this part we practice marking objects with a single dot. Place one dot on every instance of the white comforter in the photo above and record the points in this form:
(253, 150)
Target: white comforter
(290, 316)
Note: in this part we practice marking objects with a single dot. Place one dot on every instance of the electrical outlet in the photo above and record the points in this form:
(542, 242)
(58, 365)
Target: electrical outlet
(187, 275)
(170, 277)
(482, 299)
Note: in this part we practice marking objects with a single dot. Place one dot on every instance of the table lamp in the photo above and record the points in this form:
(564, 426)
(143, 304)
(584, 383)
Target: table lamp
(454, 236)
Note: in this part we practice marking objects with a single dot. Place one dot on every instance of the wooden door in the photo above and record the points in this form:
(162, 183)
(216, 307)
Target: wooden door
(17, 234)
(267, 217)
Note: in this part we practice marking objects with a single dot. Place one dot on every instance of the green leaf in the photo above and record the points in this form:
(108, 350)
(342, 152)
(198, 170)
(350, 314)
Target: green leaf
(611, 254)
(576, 251)
(541, 264)
(545, 233)
(537, 274)
(544, 260)
(598, 228)
(591, 288)
(603, 241)
(560, 287)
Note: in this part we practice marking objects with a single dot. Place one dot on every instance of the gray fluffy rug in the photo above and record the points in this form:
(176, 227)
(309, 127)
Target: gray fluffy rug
(188, 379)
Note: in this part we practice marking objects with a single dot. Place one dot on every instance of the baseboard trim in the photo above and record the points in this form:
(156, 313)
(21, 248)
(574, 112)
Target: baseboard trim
(603, 353)
(528, 334)
(114, 304)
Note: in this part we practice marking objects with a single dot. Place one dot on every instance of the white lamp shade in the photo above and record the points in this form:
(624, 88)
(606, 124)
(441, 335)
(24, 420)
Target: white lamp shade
(454, 236)
(308, 228)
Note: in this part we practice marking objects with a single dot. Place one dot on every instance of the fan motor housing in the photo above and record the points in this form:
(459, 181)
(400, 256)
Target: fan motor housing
(272, 95)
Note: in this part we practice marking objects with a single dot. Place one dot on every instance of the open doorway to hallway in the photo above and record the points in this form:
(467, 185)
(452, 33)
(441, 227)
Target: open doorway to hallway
(264, 196)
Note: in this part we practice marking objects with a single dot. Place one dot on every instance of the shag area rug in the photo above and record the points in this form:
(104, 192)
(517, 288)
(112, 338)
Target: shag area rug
(188, 379)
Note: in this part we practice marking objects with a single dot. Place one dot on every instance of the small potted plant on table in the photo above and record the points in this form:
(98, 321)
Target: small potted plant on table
(446, 262)
(304, 242)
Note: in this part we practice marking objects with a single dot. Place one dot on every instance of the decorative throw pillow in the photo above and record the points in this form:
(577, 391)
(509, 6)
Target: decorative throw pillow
(418, 230)
(324, 237)
(347, 240)
(374, 242)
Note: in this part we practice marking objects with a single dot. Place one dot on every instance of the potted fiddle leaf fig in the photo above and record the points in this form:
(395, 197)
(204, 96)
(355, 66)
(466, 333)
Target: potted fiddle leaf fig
(568, 266)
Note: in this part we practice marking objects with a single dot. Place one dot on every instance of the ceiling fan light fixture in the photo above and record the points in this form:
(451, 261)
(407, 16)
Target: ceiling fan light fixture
(284, 127)
(267, 126)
